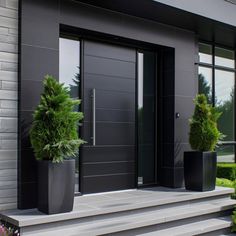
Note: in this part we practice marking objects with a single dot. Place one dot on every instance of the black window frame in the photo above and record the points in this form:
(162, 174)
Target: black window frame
(215, 67)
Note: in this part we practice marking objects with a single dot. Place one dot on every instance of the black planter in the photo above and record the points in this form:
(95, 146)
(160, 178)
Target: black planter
(200, 170)
(56, 182)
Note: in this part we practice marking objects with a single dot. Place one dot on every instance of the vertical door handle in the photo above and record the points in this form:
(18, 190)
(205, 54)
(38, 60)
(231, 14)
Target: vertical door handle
(94, 116)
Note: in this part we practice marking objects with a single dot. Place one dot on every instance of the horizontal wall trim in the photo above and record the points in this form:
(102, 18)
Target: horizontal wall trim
(37, 46)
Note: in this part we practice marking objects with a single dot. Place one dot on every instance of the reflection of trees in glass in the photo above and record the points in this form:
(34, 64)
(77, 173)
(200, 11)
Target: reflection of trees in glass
(204, 87)
(226, 121)
(140, 140)
(74, 88)
(74, 93)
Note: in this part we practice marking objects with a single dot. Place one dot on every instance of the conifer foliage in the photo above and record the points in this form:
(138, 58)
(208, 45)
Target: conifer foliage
(54, 131)
(204, 134)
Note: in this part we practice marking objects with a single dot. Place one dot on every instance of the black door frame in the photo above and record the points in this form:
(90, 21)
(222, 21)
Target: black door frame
(82, 35)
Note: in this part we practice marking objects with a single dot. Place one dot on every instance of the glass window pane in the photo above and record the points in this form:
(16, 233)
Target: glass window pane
(69, 70)
(224, 101)
(69, 74)
(205, 82)
(225, 153)
(224, 57)
(205, 53)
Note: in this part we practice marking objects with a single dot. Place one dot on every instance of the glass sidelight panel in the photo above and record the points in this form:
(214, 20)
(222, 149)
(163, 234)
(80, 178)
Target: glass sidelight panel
(69, 74)
(205, 82)
(225, 153)
(224, 102)
(146, 118)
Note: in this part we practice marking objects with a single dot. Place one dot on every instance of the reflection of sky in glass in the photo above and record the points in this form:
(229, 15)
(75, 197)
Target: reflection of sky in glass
(140, 80)
(224, 57)
(220, 61)
(224, 84)
(205, 53)
(205, 58)
(69, 60)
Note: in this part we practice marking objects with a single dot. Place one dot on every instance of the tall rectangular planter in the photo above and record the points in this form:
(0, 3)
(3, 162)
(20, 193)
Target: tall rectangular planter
(56, 183)
(200, 170)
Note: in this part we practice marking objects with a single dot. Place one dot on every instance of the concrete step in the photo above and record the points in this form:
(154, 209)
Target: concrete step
(204, 227)
(126, 211)
(151, 221)
(116, 204)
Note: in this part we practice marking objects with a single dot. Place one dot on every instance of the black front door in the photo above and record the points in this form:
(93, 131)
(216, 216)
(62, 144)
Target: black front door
(108, 158)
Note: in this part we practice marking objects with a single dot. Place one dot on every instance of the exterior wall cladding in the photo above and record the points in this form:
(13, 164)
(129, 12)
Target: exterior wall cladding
(39, 55)
(39, 43)
(8, 103)
(40, 25)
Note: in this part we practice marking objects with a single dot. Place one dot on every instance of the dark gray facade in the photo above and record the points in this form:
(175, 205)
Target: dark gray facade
(41, 23)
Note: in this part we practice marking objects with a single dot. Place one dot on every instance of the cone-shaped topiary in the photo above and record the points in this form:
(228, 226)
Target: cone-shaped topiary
(54, 131)
(204, 133)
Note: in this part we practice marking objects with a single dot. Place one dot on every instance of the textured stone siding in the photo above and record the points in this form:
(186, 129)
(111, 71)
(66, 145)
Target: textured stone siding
(8, 103)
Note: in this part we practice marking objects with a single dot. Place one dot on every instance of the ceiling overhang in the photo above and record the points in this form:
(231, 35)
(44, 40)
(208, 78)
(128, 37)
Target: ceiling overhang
(206, 29)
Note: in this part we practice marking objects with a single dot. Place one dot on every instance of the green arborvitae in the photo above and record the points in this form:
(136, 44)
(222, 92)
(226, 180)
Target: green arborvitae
(54, 131)
(204, 134)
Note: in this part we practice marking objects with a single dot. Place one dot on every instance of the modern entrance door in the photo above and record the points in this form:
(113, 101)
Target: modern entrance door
(108, 158)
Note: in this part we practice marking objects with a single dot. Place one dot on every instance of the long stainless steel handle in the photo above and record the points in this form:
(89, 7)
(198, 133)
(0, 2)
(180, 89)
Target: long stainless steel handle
(94, 116)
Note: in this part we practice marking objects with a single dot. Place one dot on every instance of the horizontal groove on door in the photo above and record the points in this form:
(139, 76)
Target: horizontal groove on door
(109, 51)
(121, 181)
(106, 162)
(111, 83)
(110, 115)
(108, 153)
(112, 133)
(112, 122)
(111, 67)
(109, 99)
(109, 168)
(107, 175)
(106, 145)
(109, 58)
(109, 76)
(115, 92)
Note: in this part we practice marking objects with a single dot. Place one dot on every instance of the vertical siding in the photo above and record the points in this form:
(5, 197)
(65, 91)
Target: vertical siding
(8, 103)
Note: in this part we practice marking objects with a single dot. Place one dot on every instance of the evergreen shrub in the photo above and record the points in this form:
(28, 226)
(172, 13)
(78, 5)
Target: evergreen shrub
(204, 134)
(226, 170)
(54, 131)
